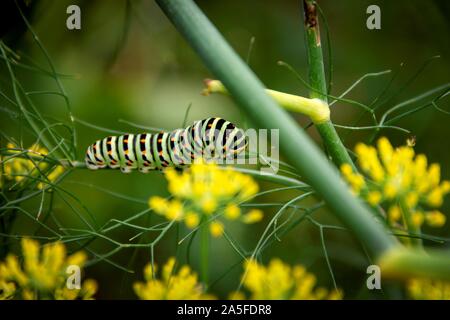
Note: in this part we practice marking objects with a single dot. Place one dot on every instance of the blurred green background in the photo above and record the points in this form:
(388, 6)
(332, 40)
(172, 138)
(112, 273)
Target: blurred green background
(129, 64)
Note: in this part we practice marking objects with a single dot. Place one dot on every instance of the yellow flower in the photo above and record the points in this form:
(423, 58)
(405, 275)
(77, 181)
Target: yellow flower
(394, 214)
(216, 229)
(428, 289)
(7, 290)
(206, 190)
(374, 197)
(355, 180)
(191, 220)
(232, 211)
(417, 218)
(181, 285)
(17, 168)
(174, 210)
(253, 216)
(208, 205)
(279, 281)
(435, 218)
(236, 295)
(412, 199)
(43, 273)
(405, 183)
(158, 204)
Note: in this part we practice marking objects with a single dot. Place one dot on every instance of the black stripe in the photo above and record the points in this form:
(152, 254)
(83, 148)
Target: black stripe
(108, 143)
(142, 144)
(125, 142)
(118, 148)
(102, 151)
(220, 123)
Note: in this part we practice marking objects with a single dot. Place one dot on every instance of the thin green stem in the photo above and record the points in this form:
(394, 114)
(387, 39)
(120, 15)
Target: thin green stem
(317, 79)
(318, 84)
(412, 228)
(204, 252)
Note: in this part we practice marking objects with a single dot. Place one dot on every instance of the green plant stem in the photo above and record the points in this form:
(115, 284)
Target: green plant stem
(315, 109)
(249, 93)
(412, 228)
(402, 263)
(318, 83)
(317, 79)
(20, 103)
(333, 144)
(204, 252)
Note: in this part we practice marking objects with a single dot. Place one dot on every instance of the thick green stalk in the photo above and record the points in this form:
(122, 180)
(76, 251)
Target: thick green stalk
(249, 93)
(401, 263)
(317, 110)
(318, 83)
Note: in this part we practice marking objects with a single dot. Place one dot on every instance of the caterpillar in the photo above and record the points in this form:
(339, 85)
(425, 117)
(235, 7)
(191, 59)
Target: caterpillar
(211, 138)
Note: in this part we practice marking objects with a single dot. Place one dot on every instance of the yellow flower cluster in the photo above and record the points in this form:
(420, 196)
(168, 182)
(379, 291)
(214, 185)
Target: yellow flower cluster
(279, 281)
(401, 180)
(428, 289)
(182, 285)
(18, 169)
(43, 274)
(203, 190)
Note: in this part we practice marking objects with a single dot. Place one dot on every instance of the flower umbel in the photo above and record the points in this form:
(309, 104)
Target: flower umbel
(181, 285)
(400, 180)
(203, 190)
(20, 169)
(428, 289)
(279, 281)
(42, 274)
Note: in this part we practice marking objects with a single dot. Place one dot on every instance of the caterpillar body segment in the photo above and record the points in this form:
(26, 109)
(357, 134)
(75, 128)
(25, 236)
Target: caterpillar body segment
(212, 138)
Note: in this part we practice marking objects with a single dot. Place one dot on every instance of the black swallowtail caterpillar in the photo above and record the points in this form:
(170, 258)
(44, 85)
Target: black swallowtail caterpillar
(210, 138)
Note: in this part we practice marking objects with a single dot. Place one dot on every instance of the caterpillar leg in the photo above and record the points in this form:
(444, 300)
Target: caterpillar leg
(145, 169)
(126, 169)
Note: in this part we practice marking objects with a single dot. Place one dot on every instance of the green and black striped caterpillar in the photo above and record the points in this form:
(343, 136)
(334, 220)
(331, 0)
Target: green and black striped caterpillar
(212, 138)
